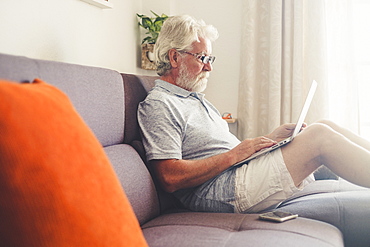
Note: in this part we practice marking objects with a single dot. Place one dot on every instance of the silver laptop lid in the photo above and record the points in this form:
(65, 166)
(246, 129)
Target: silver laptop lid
(305, 108)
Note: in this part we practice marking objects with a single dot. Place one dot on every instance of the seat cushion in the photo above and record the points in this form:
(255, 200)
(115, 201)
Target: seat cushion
(57, 186)
(337, 202)
(222, 229)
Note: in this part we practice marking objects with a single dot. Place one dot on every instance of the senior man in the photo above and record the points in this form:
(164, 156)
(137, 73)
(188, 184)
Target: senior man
(192, 152)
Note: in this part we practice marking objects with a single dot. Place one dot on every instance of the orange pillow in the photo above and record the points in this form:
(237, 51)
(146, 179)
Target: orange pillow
(57, 187)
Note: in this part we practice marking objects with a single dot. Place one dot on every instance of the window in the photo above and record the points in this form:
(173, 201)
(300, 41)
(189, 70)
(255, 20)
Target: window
(361, 34)
(348, 51)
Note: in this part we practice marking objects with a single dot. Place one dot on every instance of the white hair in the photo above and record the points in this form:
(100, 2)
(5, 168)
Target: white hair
(179, 32)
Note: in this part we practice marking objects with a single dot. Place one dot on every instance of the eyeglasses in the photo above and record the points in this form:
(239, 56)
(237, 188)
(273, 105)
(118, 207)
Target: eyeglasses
(205, 59)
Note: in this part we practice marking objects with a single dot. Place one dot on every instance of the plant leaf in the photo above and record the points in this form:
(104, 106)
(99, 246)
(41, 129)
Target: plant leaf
(146, 22)
(154, 13)
(153, 25)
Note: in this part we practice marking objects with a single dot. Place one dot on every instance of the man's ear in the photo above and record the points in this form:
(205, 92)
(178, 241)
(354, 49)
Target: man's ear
(173, 56)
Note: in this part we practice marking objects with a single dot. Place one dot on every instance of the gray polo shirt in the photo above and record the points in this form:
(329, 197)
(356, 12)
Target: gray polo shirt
(178, 124)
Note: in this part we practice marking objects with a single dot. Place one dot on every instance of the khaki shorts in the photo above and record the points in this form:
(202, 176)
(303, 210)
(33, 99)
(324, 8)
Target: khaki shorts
(264, 183)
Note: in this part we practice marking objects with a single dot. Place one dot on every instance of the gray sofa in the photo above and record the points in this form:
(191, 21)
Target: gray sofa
(332, 212)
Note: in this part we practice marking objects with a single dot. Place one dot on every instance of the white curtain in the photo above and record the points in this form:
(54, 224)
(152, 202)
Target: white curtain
(284, 47)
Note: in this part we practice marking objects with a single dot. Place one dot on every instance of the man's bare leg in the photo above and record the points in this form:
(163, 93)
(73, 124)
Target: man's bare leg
(347, 133)
(320, 144)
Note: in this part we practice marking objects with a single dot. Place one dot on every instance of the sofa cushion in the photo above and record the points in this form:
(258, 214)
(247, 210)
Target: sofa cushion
(96, 93)
(136, 89)
(337, 202)
(222, 229)
(136, 181)
(56, 183)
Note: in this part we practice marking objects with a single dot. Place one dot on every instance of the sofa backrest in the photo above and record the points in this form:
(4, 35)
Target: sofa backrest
(136, 89)
(96, 93)
(99, 97)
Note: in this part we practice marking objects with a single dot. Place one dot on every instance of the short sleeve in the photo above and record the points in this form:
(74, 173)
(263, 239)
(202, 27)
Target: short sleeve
(161, 130)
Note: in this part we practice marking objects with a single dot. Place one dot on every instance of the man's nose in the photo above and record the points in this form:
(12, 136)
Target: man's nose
(208, 67)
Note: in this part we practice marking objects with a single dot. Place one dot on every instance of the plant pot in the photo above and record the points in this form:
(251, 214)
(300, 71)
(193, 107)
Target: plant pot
(147, 57)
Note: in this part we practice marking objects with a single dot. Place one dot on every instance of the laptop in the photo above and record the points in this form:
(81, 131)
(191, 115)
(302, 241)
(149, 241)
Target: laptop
(297, 128)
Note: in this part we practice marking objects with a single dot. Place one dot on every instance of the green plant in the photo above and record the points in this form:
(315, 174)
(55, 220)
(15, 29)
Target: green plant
(153, 25)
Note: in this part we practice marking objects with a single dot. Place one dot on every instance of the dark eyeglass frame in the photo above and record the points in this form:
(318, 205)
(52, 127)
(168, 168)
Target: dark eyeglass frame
(203, 58)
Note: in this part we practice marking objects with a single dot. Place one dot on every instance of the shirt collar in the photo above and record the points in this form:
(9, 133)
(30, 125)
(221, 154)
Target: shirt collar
(177, 90)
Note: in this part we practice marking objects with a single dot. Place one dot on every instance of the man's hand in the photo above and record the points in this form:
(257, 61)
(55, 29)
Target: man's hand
(283, 132)
(250, 146)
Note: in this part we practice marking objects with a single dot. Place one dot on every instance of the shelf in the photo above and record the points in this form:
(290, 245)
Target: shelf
(100, 3)
(230, 120)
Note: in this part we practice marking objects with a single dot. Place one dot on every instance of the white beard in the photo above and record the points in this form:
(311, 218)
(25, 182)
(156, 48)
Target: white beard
(197, 84)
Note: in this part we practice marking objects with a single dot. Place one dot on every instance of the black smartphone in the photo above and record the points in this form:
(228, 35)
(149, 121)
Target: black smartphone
(277, 216)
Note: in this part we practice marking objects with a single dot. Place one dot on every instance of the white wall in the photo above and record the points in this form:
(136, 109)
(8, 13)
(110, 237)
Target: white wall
(76, 32)
(71, 31)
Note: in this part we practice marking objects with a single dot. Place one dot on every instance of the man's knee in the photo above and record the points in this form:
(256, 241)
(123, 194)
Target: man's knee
(322, 133)
(328, 122)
